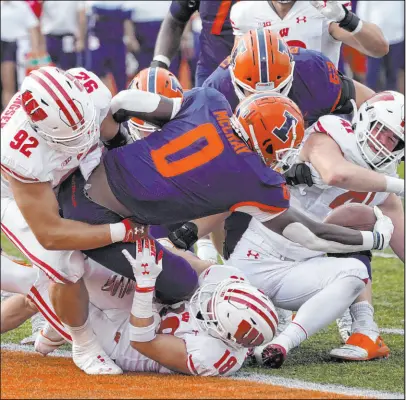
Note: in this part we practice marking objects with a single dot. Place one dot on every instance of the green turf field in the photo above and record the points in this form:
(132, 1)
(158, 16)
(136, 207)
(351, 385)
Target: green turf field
(311, 361)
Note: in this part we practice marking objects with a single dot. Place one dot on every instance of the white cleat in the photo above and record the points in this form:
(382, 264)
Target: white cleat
(93, 360)
(37, 323)
(344, 324)
(45, 345)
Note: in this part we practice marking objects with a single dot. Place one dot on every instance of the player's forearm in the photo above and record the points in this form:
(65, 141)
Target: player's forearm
(169, 37)
(353, 177)
(82, 25)
(206, 225)
(372, 40)
(73, 235)
(297, 227)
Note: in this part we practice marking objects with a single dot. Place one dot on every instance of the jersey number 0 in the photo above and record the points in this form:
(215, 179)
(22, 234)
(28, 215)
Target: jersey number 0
(168, 159)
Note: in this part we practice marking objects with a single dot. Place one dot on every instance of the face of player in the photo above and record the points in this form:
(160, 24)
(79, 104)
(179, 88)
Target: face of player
(385, 137)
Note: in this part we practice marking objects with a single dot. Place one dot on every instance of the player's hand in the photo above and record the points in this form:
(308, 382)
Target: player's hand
(147, 266)
(383, 230)
(134, 231)
(330, 9)
(299, 174)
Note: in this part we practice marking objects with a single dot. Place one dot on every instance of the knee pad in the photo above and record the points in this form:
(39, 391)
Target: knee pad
(355, 268)
(364, 256)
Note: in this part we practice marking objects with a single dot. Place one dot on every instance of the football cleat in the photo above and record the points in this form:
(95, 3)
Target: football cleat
(360, 347)
(270, 356)
(344, 324)
(37, 323)
(45, 345)
(93, 360)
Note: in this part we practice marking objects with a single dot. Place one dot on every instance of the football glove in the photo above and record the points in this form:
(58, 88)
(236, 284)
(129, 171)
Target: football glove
(383, 230)
(147, 265)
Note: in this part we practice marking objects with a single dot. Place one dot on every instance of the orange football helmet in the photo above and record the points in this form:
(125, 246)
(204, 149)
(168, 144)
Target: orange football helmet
(272, 125)
(261, 62)
(154, 80)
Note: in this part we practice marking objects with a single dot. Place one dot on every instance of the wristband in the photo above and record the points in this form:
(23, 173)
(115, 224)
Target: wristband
(350, 22)
(142, 302)
(394, 185)
(117, 232)
(142, 334)
(368, 240)
(162, 59)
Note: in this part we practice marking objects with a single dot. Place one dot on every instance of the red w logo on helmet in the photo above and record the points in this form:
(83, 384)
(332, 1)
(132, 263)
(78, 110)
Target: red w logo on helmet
(32, 108)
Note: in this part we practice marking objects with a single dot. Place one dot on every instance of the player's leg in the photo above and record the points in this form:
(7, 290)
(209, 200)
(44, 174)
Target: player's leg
(16, 277)
(320, 289)
(67, 291)
(178, 279)
(15, 310)
(8, 75)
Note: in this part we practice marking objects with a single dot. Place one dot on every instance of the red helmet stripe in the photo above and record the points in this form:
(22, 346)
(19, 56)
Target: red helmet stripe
(258, 300)
(252, 307)
(57, 100)
(64, 94)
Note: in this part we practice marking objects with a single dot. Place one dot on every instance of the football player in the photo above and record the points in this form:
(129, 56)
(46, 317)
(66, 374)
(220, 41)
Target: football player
(349, 164)
(208, 335)
(198, 165)
(315, 25)
(50, 128)
(357, 163)
(216, 37)
(262, 62)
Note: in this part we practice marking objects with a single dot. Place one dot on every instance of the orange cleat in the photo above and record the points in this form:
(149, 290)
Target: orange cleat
(360, 347)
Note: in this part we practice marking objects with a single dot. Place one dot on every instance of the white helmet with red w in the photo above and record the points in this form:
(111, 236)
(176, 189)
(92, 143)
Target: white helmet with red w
(379, 126)
(60, 110)
(235, 312)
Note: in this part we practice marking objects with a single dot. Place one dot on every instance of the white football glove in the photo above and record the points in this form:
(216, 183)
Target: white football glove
(330, 9)
(383, 230)
(148, 265)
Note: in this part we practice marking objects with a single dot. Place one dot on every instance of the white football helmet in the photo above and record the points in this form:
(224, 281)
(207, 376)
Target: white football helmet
(60, 110)
(235, 312)
(379, 126)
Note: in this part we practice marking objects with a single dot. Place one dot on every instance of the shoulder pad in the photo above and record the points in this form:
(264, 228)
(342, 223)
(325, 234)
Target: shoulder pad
(97, 90)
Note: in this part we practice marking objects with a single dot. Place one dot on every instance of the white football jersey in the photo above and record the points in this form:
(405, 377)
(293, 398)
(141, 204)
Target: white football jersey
(303, 26)
(207, 356)
(320, 199)
(26, 156)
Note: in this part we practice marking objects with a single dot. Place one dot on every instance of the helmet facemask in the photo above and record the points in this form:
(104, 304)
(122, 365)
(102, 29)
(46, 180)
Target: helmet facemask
(203, 305)
(371, 137)
(239, 86)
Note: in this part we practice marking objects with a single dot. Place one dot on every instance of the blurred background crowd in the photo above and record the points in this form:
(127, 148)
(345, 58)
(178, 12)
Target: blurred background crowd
(116, 39)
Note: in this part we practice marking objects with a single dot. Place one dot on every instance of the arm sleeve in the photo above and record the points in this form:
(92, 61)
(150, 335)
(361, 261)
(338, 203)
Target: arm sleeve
(149, 107)
(182, 10)
(298, 233)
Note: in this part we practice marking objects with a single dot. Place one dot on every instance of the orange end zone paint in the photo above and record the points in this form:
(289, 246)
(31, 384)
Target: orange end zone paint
(25, 375)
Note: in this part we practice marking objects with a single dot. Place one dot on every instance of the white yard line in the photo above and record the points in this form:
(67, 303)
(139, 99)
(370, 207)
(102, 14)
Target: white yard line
(393, 331)
(384, 255)
(255, 377)
(298, 384)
